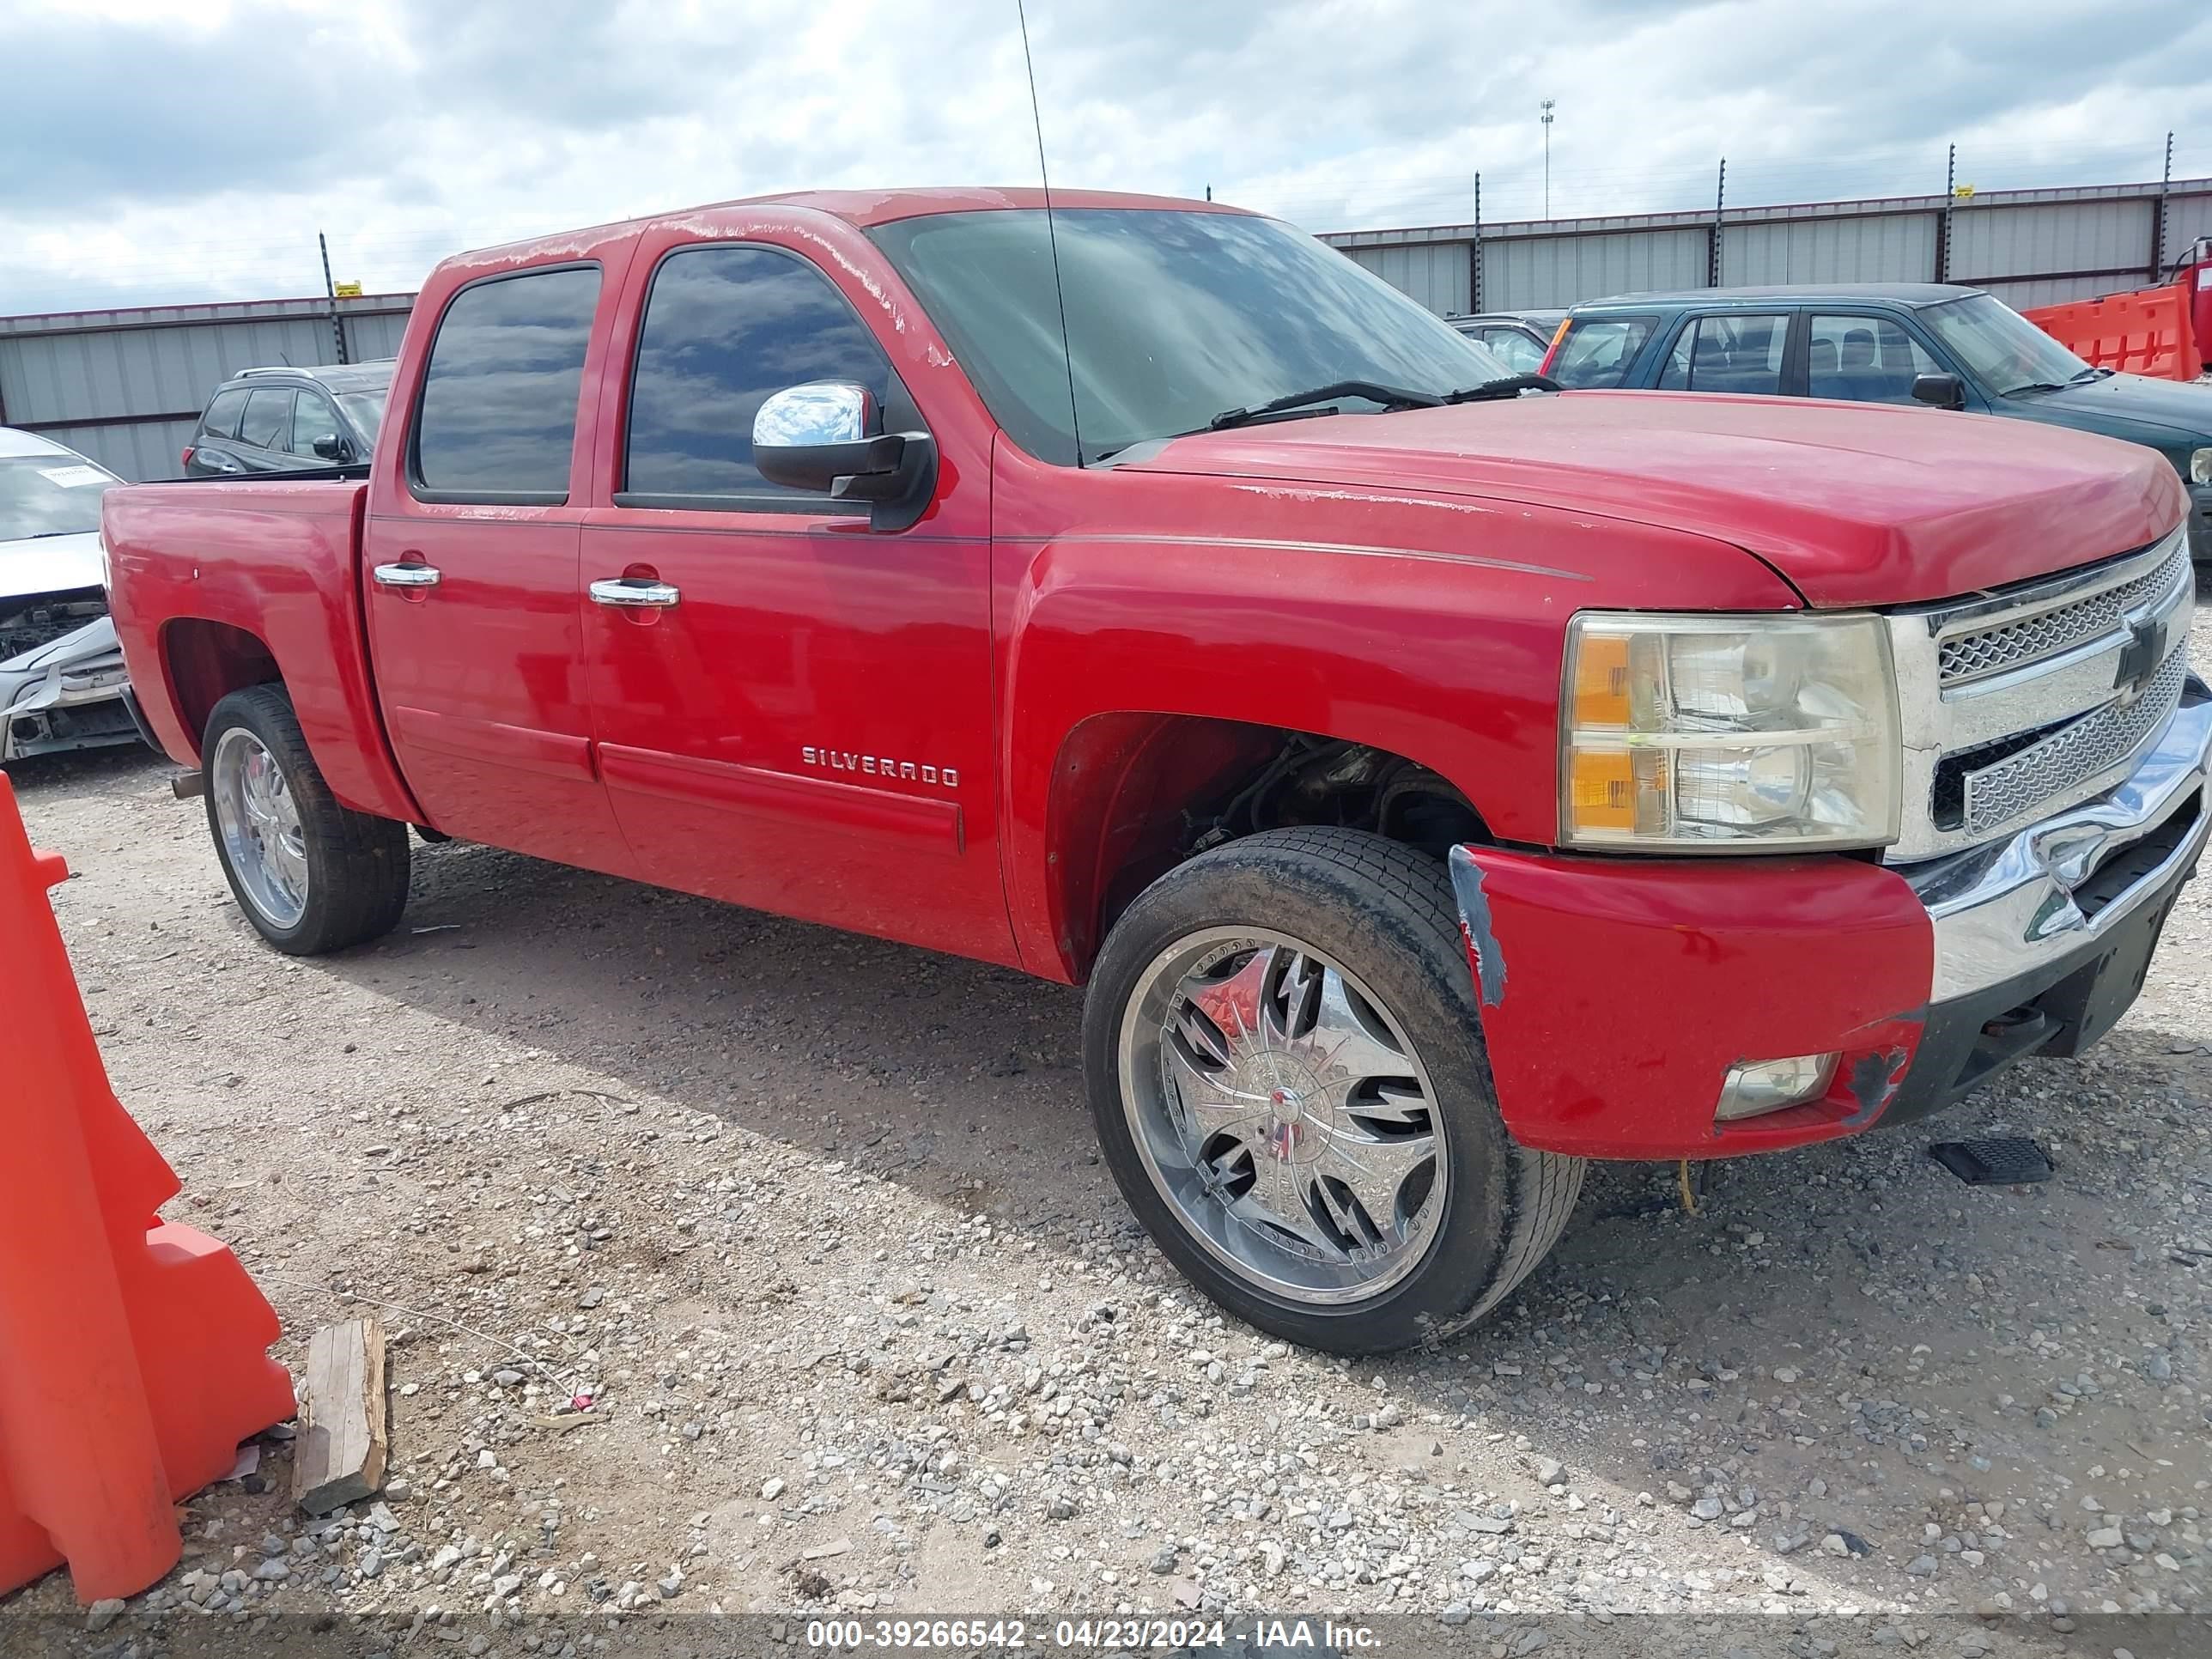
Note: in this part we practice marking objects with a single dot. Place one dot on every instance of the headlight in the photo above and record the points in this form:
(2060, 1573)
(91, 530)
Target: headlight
(2200, 467)
(1708, 732)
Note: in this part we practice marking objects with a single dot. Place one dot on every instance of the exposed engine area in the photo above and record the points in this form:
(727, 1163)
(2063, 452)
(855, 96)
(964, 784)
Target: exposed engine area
(1326, 781)
(29, 621)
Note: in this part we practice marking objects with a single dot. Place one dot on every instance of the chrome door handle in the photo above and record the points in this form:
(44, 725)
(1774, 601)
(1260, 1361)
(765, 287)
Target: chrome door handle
(406, 575)
(633, 593)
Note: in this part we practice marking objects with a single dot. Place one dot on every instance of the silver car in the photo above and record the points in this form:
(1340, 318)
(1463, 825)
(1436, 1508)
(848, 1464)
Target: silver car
(63, 684)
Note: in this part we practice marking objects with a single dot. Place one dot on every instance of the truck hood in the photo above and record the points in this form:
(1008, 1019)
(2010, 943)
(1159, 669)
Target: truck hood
(2171, 413)
(49, 564)
(1853, 505)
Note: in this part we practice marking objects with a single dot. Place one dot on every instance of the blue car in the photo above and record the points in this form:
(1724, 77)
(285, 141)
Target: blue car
(1896, 343)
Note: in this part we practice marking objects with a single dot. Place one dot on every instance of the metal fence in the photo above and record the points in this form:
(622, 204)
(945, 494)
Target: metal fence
(2028, 247)
(126, 387)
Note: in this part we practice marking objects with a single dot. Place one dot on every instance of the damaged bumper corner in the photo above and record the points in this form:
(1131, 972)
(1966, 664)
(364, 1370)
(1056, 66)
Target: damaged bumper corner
(68, 695)
(1617, 994)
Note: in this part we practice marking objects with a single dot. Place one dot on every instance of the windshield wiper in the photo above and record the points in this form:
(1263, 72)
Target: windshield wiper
(1390, 396)
(2092, 373)
(2034, 385)
(41, 535)
(1511, 386)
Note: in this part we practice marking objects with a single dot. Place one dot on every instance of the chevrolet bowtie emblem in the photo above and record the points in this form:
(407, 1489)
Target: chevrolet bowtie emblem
(2146, 651)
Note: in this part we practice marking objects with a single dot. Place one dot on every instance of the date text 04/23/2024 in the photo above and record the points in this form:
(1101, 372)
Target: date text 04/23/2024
(983, 1635)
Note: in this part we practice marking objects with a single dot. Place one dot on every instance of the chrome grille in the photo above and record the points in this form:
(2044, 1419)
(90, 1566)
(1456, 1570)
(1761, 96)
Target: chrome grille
(1989, 651)
(1997, 796)
(2017, 704)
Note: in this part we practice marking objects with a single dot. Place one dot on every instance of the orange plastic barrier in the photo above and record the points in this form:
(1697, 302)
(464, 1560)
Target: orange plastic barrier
(133, 1352)
(2151, 331)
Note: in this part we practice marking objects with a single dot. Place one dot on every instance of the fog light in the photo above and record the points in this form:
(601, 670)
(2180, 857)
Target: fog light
(1768, 1085)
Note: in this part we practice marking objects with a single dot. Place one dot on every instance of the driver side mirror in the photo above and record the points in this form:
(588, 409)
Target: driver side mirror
(825, 437)
(1943, 391)
(333, 448)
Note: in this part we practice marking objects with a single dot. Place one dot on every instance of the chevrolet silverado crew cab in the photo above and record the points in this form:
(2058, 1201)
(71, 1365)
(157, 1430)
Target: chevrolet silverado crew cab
(1434, 786)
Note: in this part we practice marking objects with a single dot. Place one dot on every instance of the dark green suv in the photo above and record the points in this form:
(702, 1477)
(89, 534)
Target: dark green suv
(1900, 343)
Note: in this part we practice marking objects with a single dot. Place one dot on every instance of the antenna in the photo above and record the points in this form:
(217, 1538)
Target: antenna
(1052, 236)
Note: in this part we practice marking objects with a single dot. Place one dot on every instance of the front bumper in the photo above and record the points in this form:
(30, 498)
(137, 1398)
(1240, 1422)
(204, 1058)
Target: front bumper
(1616, 993)
(59, 699)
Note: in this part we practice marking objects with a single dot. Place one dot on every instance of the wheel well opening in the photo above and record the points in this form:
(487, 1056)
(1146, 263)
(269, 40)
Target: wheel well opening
(206, 661)
(1133, 795)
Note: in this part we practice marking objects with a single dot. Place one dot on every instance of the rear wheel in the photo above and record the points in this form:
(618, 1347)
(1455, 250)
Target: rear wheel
(311, 875)
(1286, 1066)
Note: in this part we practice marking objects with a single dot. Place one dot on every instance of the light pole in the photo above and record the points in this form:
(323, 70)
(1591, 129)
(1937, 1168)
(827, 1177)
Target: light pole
(1546, 117)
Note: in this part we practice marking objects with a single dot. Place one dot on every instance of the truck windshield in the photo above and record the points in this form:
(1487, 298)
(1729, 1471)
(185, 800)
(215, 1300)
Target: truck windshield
(2001, 348)
(1174, 317)
(51, 495)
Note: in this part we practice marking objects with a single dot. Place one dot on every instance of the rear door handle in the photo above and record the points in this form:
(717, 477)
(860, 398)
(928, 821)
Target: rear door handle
(406, 575)
(634, 592)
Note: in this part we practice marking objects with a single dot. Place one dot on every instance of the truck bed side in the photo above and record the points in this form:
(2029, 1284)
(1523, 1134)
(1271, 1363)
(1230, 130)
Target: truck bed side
(218, 586)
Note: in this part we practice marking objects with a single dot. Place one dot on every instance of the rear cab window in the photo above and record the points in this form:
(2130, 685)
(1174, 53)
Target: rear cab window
(220, 420)
(495, 422)
(1739, 352)
(268, 419)
(1599, 351)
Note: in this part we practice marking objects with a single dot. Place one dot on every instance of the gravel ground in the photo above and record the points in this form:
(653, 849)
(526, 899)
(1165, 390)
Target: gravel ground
(818, 1225)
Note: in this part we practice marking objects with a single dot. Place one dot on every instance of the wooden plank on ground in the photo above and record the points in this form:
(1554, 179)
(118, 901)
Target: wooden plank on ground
(339, 1454)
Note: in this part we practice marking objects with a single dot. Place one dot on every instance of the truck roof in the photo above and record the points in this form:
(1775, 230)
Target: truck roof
(13, 441)
(1903, 294)
(864, 208)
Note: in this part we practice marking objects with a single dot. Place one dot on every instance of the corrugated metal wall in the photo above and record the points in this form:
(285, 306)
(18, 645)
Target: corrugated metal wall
(2187, 218)
(1895, 248)
(1535, 272)
(126, 387)
(2071, 251)
(1434, 273)
(2028, 247)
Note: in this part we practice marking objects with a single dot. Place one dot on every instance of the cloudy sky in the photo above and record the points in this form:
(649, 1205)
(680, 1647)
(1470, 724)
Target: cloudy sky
(153, 151)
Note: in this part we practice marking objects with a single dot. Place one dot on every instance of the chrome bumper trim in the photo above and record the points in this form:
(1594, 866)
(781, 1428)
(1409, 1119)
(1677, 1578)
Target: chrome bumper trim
(2004, 910)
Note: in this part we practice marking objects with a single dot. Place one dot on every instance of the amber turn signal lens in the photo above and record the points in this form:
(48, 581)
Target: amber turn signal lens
(1603, 789)
(1602, 683)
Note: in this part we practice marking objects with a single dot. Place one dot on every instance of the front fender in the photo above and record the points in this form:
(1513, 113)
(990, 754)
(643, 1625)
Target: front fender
(1449, 660)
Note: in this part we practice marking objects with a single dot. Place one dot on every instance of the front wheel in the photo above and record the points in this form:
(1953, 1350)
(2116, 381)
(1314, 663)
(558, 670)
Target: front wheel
(310, 874)
(1285, 1064)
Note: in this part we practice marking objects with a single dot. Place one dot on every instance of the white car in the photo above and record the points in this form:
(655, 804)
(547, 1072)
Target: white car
(63, 684)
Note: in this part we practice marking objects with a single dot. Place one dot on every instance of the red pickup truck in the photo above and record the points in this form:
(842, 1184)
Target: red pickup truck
(1434, 785)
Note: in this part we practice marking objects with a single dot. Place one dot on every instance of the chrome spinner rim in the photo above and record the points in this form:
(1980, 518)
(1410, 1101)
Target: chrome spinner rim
(1283, 1114)
(260, 823)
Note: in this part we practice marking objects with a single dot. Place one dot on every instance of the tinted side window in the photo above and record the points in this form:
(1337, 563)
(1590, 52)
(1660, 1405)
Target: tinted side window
(498, 409)
(220, 420)
(268, 418)
(312, 417)
(725, 327)
(1598, 353)
(1728, 354)
(1866, 360)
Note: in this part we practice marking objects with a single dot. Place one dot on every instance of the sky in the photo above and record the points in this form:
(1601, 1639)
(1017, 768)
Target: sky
(157, 153)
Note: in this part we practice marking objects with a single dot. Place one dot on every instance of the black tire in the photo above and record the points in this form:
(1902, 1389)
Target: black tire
(357, 864)
(1385, 913)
